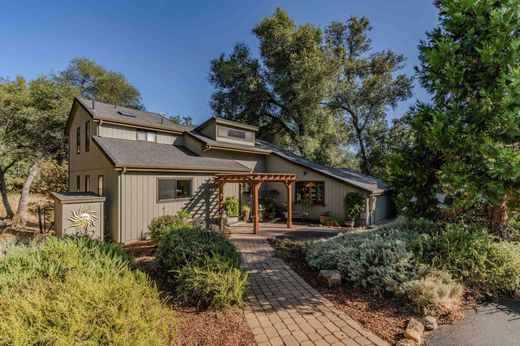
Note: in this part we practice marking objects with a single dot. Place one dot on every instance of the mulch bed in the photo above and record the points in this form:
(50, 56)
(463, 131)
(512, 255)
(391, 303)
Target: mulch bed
(195, 327)
(385, 316)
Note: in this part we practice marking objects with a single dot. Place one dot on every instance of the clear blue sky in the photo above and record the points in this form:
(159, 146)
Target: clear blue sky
(164, 47)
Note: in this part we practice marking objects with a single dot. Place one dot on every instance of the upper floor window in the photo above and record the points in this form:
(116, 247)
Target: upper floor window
(78, 140)
(87, 136)
(313, 191)
(144, 135)
(101, 185)
(87, 183)
(235, 133)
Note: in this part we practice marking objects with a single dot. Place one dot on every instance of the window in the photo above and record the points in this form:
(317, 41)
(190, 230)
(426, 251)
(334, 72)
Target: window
(100, 185)
(236, 134)
(87, 136)
(149, 136)
(78, 140)
(78, 183)
(169, 189)
(311, 190)
(87, 183)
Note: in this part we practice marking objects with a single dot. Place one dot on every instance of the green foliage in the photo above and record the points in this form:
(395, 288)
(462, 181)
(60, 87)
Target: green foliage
(162, 225)
(96, 83)
(269, 200)
(330, 221)
(285, 248)
(53, 177)
(282, 91)
(71, 291)
(436, 293)
(193, 246)
(471, 255)
(465, 144)
(203, 266)
(232, 206)
(354, 204)
(379, 259)
(215, 284)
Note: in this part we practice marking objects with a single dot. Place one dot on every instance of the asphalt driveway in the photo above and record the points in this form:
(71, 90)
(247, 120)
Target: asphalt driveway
(486, 325)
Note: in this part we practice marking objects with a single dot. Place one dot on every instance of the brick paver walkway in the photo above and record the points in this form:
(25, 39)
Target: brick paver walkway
(282, 309)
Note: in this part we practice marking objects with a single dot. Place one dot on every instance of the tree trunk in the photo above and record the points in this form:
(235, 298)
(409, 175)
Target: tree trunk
(500, 219)
(5, 200)
(20, 213)
(367, 169)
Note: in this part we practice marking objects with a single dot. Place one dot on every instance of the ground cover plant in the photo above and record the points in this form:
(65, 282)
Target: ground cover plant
(70, 291)
(203, 266)
(428, 263)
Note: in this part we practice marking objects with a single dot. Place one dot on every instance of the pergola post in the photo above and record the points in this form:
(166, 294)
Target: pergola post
(289, 204)
(220, 197)
(255, 186)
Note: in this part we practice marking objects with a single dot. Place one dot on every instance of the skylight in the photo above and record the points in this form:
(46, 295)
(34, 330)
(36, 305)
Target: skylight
(126, 113)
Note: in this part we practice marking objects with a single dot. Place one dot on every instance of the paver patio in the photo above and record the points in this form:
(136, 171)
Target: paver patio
(282, 309)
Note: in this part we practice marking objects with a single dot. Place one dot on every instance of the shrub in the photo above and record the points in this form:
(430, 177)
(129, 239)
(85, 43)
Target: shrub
(354, 204)
(78, 291)
(436, 293)
(471, 255)
(232, 206)
(203, 266)
(193, 247)
(159, 226)
(214, 284)
(285, 248)
(330, 221)
(379, 259)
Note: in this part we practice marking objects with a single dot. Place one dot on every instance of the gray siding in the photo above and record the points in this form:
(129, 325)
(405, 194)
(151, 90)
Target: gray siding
(140, 205)
(130, 133)
(335, 190)
(257, 163)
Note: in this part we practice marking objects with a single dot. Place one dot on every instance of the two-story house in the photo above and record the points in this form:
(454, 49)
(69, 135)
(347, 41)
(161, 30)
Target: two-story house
(147, 166)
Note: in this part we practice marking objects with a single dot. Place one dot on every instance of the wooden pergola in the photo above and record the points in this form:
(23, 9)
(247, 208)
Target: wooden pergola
(254, 180)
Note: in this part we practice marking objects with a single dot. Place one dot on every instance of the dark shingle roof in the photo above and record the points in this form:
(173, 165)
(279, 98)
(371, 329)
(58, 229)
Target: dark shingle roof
(351, 177)
(138, 154)
(218, 144)
(111, 112)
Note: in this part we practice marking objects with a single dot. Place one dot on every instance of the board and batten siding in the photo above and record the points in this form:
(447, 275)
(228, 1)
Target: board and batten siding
(93, 163)
(255, 162)
(140, 201)
(130, 133)
(335, 190)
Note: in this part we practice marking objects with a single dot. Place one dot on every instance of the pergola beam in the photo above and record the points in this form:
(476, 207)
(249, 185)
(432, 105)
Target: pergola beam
(255, 179)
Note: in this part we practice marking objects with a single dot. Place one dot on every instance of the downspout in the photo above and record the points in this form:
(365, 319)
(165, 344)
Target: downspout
(121, 204)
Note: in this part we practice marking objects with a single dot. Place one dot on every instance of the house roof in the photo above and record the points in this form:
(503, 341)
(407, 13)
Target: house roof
(228, 123)
(148, 155)
(126, 115)
(360, 180)
(225, 145)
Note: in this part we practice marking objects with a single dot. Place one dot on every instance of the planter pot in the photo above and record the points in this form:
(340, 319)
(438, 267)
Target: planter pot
(349, 224)
(232, 220)
(246, 216)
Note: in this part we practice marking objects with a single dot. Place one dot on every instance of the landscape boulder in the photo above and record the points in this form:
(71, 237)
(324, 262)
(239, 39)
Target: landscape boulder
(414, 331)
(406, 342)
(329, 278)
(430, 323)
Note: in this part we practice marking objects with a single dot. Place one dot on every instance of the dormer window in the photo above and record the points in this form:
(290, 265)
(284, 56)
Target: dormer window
(148, 136)
(233, 133)
(236, 134)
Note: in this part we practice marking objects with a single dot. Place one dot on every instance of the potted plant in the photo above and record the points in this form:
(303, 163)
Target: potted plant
(305, 204)
(246, 212)
(324, 217)
(231, 206)
(354, 205)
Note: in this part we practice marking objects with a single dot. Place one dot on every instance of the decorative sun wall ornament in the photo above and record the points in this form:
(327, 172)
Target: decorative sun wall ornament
(83, 219)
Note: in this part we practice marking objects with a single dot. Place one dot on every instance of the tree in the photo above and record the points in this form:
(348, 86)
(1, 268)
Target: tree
(282, 91)
(365, 87)
(96, 83)
(471, 66)
(185, 120)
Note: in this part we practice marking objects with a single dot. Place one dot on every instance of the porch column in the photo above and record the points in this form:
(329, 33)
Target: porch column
(220, 196)
(256, 225)
(289, 204)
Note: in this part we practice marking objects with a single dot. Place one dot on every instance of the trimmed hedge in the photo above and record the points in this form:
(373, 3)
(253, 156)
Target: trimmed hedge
(71, 291)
